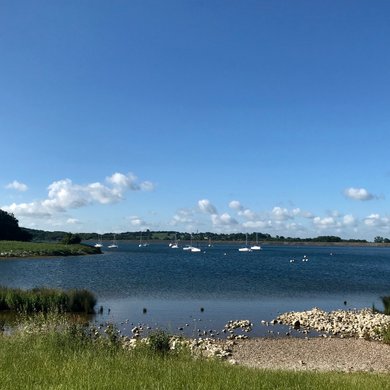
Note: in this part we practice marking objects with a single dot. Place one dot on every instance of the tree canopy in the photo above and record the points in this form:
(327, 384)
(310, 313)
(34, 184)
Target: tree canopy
(10, 230)
(71, 239)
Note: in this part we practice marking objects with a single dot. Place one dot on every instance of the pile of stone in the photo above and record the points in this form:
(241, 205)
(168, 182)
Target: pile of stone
(210, 348)
(202, 347)
(243, 325)
(362, 323)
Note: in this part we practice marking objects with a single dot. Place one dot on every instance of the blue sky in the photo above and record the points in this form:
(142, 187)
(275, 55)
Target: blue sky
(224, 116)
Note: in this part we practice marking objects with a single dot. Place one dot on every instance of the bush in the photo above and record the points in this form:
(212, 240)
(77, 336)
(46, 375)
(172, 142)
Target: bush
(159, 342)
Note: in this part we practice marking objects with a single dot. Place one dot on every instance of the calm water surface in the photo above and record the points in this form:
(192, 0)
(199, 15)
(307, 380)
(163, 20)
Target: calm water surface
(205, 290)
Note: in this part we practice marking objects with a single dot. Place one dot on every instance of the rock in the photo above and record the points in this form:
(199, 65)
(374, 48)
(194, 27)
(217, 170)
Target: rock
(297, 324)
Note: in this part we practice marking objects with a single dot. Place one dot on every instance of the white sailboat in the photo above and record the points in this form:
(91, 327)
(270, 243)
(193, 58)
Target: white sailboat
(99, 244)
(142, 244)
(246, 247)
(175, 244)
(114, 244)
(188, 247)
(191, 248)
(256, 247)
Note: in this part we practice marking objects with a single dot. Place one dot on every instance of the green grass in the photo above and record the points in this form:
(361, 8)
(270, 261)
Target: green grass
(49, 358)
(46, 300)
(31, 249)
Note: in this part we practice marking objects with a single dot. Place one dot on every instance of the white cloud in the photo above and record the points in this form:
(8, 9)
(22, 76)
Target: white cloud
(33, 209)
(247, 214)
(242, 211)
(358, 194)
(236, 205)
(223, 220)
(375, 220)
(72, 221)
(257, 224)
(349, 220)
(147, 186)
(182, 216)
(280, 214)
(129, 181)
(206, 207)
(16, 185)
(326, 222)
(64, 195)
(137, 221)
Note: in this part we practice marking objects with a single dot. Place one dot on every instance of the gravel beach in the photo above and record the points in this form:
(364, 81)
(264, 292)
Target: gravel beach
(315, 354)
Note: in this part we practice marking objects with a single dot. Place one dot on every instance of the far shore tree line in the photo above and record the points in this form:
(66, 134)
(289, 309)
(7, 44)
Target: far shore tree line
(10, 230)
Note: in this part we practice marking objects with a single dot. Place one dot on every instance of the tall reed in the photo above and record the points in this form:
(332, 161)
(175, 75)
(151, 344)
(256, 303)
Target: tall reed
(386, 304)
(46, 300)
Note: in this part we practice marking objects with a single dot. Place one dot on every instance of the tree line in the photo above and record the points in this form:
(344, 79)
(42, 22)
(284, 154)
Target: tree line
(169, 235)
(10, 230)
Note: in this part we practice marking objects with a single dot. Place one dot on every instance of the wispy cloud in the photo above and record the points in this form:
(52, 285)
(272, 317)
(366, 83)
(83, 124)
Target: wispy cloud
(358, 194)
(183, 216)
(16, 185)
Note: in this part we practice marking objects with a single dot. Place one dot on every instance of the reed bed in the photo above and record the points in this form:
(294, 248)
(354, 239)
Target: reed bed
(46, 300)
(386, 304)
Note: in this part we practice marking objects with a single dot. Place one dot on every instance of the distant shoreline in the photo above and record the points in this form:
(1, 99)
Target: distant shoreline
(262, 244)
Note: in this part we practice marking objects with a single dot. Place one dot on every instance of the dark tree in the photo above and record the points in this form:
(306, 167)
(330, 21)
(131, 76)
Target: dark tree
(10, 230)
(71, 239)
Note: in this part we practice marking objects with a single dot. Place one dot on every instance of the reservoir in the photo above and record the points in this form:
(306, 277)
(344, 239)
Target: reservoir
(183, 292)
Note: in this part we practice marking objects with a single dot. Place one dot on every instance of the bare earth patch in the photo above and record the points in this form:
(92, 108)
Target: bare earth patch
(314, 354)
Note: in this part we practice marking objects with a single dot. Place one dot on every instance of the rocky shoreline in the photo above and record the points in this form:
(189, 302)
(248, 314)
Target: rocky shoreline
(351, 341)
(364, 323)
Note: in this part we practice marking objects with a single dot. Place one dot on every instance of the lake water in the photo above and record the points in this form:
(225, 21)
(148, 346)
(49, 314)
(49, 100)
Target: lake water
(205, 290)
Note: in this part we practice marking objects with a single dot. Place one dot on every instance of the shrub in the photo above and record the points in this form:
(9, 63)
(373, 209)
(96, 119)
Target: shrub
(159, 342)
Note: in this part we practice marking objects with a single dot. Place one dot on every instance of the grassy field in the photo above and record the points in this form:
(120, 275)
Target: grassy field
(31, 249)
(40, 357)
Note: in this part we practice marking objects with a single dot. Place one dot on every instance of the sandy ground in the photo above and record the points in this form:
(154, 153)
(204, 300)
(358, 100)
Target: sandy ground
(314, 354)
